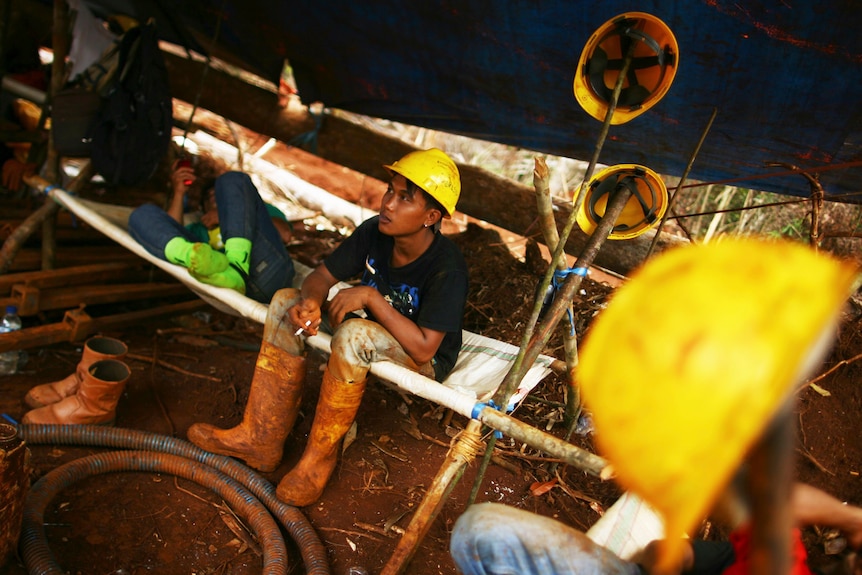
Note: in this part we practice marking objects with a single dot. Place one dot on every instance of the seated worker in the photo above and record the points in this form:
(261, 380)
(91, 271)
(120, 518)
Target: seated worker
(413, 289)
(690, 373)
(239, 242)
(491, 538)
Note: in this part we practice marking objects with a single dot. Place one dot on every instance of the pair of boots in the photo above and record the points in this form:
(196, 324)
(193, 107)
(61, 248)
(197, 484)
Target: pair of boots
(87, 396)
(228, 269)
(273, 404)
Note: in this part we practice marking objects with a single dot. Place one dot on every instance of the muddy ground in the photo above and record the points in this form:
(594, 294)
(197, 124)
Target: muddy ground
(198, 367)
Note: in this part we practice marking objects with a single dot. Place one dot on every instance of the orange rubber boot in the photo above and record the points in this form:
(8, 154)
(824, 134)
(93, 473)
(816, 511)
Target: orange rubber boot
(95, 402)
(336, 409)
(95, 349)
(273, 404)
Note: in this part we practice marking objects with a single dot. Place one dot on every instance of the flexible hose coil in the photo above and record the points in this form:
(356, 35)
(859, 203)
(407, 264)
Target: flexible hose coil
(231, 471)
(34, 546)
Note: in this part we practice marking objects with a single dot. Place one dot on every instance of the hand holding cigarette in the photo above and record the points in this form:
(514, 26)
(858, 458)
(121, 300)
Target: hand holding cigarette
(302, 329)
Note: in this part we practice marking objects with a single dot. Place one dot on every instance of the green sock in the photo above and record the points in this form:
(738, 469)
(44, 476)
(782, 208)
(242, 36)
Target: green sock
(238, 252)
(199, 257)
(177, 251)
(229, 278)
(205, 261)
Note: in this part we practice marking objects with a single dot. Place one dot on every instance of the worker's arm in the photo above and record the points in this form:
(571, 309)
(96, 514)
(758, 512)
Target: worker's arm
(179, 177)
(420, 343)
(811, 506)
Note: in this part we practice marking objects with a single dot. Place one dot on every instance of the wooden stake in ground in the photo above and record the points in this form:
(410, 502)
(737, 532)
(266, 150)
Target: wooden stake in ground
(552, 237)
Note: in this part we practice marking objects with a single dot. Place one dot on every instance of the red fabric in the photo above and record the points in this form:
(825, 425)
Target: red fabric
(741, 541)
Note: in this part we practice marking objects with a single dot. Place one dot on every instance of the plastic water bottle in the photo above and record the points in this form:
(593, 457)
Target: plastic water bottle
(9, 359)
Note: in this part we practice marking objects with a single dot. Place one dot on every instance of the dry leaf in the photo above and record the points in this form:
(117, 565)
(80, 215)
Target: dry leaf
(542, 487)
(820, 390)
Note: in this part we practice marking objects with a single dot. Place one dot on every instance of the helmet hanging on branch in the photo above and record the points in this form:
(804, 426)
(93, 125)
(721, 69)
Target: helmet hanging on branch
(643, 211)
(434, 172)
(654, 62)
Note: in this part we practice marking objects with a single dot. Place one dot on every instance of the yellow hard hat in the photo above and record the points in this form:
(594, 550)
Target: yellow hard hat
(692, 358)
(642, 212)
(651, 72)
(433, 171)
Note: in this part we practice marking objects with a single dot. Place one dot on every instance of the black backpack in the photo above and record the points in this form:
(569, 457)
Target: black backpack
(132, 129)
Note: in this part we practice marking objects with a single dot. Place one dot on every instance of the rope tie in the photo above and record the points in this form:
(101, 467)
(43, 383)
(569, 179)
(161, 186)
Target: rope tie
(466, 445)
(557, 282)
(477, 409)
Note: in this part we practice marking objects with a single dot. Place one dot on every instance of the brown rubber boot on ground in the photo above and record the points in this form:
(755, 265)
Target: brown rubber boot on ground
(96, 399)
(273, 404)
(95, 349)
(336, 409)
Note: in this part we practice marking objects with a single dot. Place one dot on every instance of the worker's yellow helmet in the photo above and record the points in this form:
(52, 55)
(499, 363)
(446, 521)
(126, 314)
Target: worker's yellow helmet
(433, 171)
(642, 212)
(654, 63)
(694, 356)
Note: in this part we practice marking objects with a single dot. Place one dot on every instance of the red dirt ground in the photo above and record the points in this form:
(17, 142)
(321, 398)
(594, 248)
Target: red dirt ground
(198, 368)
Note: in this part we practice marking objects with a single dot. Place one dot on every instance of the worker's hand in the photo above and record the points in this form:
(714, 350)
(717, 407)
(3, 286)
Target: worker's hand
(14, 172)
(210, 219)
(305, 316)
(284, 230)
(349, 300)
(648, 558)
(181, 178)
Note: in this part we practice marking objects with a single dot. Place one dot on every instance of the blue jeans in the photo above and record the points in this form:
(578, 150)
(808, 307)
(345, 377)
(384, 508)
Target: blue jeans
(241, 214)
(495, 539)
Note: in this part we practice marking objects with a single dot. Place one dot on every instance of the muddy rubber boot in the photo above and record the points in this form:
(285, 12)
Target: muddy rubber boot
(336, 409)
(96, 400)
(273, 404)
(95, 349)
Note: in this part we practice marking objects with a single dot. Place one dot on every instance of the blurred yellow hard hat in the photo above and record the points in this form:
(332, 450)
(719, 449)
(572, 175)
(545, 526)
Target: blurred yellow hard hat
(692, 358)
(642, 212)
(651, 72)
(433, 171)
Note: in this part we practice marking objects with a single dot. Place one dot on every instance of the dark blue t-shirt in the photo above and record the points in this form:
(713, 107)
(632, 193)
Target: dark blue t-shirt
(431, 291)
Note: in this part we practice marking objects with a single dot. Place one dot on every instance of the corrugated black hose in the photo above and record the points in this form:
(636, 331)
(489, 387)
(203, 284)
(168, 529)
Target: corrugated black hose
(249, 494)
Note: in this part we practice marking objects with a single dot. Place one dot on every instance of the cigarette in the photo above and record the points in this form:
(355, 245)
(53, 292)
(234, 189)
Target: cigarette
(300, 330)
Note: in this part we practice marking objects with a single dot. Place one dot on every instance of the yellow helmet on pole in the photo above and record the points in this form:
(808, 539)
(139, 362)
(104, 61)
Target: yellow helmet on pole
(434, 172)
(654, 63)
(643, 211)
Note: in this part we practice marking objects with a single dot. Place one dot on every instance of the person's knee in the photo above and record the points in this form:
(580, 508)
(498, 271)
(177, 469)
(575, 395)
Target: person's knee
(282, 301)
(351, 334)
(233, 181)
(143, 214)
(143, 211)
(478, 533)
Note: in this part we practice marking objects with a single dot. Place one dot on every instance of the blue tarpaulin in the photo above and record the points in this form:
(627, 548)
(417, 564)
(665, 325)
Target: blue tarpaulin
(784, 76)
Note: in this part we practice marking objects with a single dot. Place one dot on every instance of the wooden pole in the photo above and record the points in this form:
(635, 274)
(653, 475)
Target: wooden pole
(463, 451)
(529, 346)
(17, 238)
(769, 485)
(570, 340)
(60, 43)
